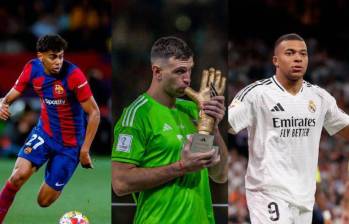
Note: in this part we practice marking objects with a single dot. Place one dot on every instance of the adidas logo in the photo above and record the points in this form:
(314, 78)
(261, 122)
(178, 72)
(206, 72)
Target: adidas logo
(277, 107)
(166, 127)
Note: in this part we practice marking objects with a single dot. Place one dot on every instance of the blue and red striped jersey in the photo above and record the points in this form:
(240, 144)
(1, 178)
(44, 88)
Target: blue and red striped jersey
(62, 116)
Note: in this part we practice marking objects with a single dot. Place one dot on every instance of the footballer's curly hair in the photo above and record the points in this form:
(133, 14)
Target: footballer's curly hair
(170, 46)
(52, 42)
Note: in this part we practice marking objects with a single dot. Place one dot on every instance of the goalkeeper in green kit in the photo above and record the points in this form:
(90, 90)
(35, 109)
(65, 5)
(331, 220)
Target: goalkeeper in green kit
(151, 151)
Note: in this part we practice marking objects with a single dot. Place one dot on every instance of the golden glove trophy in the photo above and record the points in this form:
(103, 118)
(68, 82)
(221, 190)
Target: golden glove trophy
(212, 84)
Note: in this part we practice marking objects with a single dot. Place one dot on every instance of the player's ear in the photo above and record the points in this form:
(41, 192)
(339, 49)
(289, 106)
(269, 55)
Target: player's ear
(275, 61)
(156, 72)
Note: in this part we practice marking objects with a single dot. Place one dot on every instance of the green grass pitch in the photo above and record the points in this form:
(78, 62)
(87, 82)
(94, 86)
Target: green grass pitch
(88, 192)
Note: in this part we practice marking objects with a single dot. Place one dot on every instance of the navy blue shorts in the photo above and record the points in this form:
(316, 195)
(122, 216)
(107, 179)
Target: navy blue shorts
(61, 160)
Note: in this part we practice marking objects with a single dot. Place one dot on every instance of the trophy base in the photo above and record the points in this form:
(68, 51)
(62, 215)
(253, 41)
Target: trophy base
(201, 143)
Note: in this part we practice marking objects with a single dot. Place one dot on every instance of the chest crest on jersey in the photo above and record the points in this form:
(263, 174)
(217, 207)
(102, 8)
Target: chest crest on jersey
(59, 89)
(311, 106)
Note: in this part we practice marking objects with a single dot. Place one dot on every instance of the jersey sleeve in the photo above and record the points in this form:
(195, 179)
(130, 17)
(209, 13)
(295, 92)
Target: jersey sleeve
(240, 113)
(78, 83)
(24, 78)
(335, 118)
(129, 143)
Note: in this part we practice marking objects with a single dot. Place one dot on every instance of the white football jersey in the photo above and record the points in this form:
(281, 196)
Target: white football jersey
(283, 136)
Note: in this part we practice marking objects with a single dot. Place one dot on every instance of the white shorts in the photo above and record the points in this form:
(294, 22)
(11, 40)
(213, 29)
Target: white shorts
(265, 209)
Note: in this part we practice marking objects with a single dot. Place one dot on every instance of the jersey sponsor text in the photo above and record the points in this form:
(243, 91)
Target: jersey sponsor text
(55, 102)
(294, 127)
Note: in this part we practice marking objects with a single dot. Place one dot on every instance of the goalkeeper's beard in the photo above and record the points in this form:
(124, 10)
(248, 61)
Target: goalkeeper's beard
(176, 93)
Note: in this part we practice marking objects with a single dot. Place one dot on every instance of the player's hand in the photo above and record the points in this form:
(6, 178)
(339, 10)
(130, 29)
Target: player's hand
(215, 108)
(4, 111)
(216, 158)
(195, 161)
(85, 160)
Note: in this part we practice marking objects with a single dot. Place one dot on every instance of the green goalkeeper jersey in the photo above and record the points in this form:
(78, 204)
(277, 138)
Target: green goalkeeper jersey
(149, 134)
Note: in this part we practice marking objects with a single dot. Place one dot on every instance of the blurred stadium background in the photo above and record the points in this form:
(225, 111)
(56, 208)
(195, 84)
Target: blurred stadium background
(254, 25)
(135, 27)
(85, 24)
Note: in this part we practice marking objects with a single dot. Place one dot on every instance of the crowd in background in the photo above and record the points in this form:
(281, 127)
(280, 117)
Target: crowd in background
(137, 24)
(86, 23)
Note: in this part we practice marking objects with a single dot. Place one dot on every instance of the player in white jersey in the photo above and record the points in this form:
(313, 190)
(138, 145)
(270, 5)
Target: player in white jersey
(284, 116)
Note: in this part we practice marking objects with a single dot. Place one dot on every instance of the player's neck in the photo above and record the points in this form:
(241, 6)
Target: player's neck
(291, 86)
(161, 97)
(46, 71)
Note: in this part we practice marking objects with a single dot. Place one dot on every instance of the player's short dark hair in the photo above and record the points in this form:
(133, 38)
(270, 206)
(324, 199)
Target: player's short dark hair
(52, 42)
(289, 36)
(170, 46)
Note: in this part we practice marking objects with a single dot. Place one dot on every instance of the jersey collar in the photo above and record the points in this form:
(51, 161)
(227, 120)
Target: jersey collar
(282, 88)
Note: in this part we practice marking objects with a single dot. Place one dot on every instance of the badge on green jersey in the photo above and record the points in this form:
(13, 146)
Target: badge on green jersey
(124, 143)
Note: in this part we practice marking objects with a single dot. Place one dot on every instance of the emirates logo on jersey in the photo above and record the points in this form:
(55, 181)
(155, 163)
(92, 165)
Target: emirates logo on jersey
(59, 89)
(311, 106)
(294, 127)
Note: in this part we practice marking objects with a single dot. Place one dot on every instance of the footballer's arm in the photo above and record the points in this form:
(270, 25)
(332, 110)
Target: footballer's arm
(128, 178)
(216, 109)
(5, 102)
(344, 132)
(91, 108)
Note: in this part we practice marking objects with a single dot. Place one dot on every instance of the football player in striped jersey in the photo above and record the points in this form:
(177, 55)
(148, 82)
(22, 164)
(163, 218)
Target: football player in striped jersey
(62, 137)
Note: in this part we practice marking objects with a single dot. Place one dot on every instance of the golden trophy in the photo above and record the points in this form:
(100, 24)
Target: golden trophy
(212, 84)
